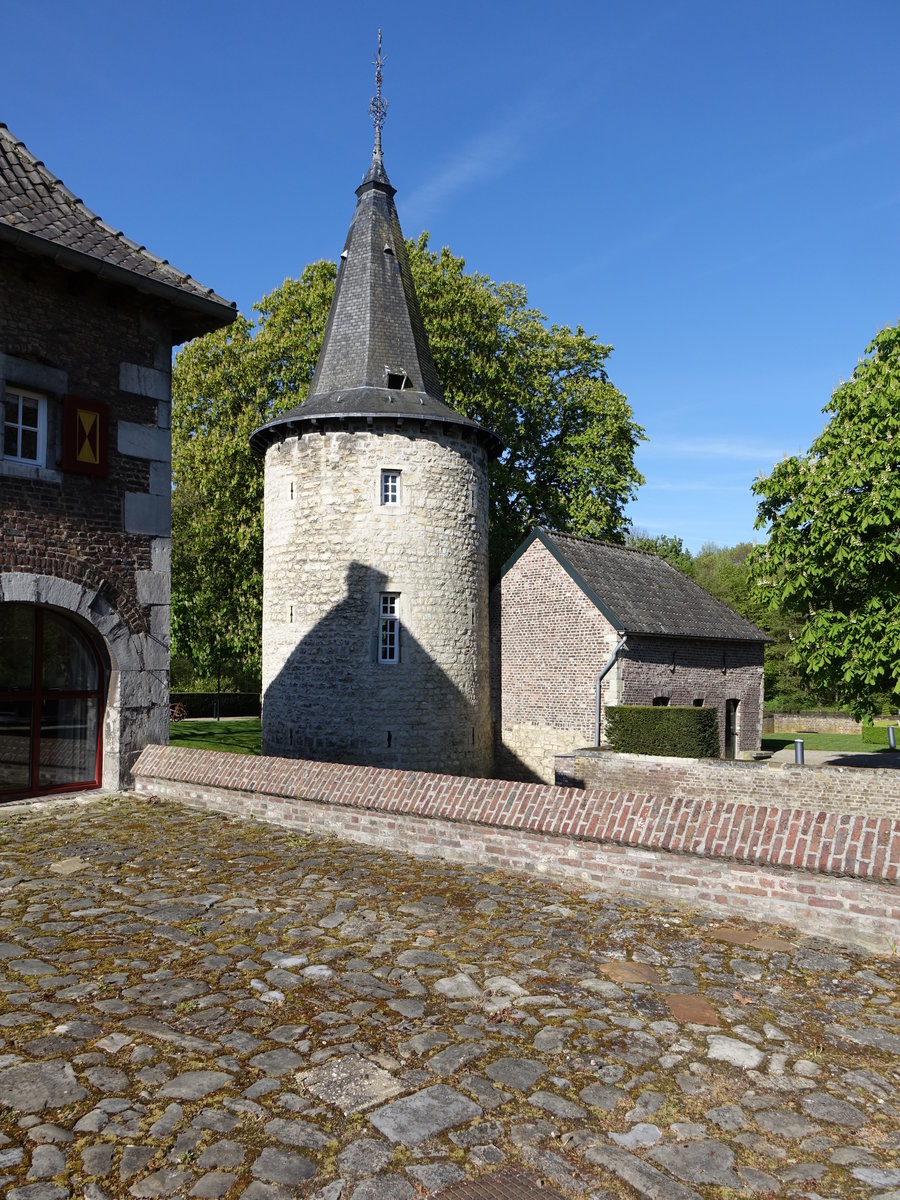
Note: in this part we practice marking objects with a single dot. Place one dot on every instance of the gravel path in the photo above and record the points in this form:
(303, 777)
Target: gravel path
(195, 1006)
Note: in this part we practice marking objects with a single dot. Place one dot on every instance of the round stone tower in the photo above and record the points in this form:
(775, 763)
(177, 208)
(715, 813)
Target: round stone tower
(375, 607)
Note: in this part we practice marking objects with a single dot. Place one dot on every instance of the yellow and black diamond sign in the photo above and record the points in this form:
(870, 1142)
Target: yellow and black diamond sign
(88, 448)
(85, 424)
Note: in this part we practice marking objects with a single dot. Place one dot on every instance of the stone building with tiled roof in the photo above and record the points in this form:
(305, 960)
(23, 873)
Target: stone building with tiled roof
(578, 625)
(88, 320)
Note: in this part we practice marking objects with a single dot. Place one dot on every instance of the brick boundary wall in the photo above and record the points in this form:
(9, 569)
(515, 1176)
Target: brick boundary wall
(873, 792)
(831, 874)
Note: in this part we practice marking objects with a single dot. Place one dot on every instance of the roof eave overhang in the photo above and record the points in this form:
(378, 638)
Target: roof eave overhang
(763, 638)
(203, 313)
(273, 431)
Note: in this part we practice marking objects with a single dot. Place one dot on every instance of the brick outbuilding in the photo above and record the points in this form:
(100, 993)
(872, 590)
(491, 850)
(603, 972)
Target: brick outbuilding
(578, 625)
(87, 324)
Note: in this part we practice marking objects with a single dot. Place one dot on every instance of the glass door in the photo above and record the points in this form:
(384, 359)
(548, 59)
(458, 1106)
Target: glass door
(50, 704)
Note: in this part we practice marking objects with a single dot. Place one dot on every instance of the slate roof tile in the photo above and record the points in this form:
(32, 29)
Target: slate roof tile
(375, 329)
(641, 593)
(35, 203)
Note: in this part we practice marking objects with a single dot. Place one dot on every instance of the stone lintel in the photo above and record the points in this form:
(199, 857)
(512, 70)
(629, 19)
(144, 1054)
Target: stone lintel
(33, 375)
(145, 381)
(144, 441)
(146, 514)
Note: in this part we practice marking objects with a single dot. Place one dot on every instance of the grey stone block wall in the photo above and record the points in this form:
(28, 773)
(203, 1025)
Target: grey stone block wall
(331, 549)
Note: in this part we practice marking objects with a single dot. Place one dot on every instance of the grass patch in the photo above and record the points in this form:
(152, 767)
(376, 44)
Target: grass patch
(819, 741)
(239, 737)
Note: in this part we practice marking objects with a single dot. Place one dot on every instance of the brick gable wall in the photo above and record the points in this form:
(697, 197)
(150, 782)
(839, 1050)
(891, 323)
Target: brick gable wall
(548, 642)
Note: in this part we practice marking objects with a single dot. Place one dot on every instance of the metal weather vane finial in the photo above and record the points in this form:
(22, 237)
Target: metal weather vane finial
(378, 105)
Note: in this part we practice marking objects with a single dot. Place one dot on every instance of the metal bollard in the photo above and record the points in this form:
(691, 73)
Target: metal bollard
(798, 752)
(892, 737)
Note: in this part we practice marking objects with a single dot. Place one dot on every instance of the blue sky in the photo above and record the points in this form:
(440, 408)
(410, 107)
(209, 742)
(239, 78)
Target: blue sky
(712, 188)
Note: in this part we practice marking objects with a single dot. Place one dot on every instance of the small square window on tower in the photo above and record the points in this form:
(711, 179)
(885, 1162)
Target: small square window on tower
(389, 627)
(390, 487)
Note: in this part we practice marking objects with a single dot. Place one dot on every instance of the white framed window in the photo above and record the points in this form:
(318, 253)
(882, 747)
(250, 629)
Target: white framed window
(24, 426)
(390, 487)
(389, 627)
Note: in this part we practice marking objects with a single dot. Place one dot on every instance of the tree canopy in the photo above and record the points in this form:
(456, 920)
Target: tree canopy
(672, 549)
(833, 551)
(569, 434)
(224, 386)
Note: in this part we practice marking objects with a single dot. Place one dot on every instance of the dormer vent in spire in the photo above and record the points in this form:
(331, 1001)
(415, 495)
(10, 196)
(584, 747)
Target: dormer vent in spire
(396, 381)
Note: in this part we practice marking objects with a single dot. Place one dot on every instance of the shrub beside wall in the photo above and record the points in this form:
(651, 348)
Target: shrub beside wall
(877, 735)
(679, 732)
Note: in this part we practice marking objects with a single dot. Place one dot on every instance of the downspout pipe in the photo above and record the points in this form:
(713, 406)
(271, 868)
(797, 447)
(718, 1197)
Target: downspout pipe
(601, 676)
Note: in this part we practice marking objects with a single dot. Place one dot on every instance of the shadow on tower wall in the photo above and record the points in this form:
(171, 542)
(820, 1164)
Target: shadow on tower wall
(333, 700)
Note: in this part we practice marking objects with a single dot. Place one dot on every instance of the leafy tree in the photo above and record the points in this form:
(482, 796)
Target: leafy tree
(667, 547)
(569, 435)
(224, 386)
(723, 571)
(833, 552)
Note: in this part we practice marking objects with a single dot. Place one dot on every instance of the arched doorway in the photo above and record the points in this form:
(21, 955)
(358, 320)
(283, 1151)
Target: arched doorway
(51, 703)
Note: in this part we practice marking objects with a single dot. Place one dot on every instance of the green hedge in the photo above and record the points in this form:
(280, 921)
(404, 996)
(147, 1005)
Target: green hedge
(877, 735)
(231, 704)
(682, 732)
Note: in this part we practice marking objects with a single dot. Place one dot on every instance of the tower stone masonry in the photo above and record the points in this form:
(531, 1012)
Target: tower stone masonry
(375, 604)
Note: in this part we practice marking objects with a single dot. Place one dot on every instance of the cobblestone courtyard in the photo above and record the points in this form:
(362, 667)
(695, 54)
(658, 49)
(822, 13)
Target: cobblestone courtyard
(197, 1006)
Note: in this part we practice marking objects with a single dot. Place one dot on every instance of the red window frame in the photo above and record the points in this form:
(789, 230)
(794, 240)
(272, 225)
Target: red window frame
(36, 695)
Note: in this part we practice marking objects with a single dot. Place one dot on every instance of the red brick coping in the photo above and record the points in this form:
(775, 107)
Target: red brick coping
(832, 872)
(830, 843)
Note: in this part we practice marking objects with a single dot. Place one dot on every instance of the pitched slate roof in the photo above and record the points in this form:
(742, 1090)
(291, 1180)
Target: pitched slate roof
(39, 215)
(374, 330)
(641, 593)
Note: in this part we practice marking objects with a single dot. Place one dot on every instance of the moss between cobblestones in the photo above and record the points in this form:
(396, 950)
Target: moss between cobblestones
(131, 846)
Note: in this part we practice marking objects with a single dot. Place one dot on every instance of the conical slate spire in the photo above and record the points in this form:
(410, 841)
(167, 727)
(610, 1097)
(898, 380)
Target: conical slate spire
(375, 336)
(375, 361)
